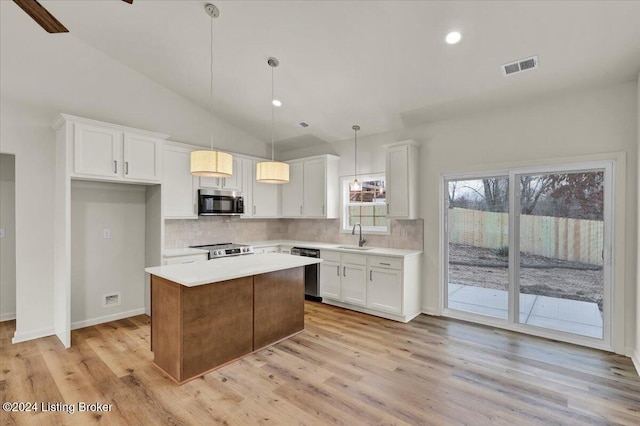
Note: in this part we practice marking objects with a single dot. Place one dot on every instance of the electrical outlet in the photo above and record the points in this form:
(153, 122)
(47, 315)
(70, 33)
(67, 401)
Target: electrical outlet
(106, 233)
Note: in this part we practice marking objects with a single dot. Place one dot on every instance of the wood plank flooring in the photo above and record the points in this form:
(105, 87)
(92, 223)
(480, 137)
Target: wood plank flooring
(346, 368)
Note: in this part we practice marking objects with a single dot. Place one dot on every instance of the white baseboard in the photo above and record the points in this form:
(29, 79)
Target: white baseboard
(19, 337)
(635, 358)
(7, 317)
(106, 318)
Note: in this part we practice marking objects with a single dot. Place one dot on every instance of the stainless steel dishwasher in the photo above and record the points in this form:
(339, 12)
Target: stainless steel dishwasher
(311, 273)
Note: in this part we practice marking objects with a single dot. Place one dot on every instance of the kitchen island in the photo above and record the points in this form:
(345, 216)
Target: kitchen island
(207, 314)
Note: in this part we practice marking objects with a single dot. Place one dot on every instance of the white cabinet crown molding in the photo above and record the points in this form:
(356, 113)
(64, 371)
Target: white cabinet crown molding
(405, 142)
(62, 118)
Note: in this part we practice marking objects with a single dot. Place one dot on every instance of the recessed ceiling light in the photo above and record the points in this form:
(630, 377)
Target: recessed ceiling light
(276, 102)
(453, 37)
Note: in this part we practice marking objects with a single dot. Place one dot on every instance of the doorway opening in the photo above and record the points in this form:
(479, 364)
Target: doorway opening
(7, 237)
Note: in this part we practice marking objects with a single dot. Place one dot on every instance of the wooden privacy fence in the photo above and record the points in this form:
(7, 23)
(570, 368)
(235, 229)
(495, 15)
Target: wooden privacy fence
(577, 240)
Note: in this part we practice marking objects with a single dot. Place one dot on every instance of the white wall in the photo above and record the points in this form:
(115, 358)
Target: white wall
(565, 126)
(8, 240)
(101, 265)
(370, 153)
(636, 355)
(26, 132)
(42, 75)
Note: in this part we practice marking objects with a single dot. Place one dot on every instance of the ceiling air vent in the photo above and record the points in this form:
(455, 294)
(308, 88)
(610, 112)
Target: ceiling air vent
(520, 66)
(303, 124)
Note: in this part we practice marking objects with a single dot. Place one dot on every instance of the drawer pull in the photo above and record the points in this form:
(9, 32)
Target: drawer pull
(344, 271)
(386, 264)
(370, 275)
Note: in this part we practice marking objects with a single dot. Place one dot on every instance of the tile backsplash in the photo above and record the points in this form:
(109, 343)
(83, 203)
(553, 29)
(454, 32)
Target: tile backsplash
(405, 234)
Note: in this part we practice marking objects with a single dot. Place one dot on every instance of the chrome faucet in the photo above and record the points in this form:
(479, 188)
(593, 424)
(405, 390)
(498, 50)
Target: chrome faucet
(353, 232)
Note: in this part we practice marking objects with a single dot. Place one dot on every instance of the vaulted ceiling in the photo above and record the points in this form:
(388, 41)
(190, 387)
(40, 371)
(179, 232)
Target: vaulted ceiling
(379, 64)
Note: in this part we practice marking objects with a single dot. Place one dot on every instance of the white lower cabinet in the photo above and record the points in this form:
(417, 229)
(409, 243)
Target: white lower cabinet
(384, 290)
(285, 249)
(378, 285)
(343, 277)
(263, 250)
(190, 258)
(330, 278)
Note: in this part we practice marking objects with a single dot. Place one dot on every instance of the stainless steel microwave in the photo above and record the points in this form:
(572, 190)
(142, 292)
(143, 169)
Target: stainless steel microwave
(213, 202)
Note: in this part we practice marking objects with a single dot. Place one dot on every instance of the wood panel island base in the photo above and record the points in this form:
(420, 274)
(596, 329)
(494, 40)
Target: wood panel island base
(199, 327)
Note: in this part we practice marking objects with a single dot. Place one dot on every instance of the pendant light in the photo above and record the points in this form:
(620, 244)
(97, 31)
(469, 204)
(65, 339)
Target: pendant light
(211, 163)
(355, 185)
(272, 171)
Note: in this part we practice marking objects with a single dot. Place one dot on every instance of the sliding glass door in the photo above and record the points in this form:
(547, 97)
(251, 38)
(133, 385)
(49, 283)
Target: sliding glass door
(478, 228)
(530, 249)
(561, 262)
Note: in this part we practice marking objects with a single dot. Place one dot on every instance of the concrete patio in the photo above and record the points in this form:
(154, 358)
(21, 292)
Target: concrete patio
(566, 315)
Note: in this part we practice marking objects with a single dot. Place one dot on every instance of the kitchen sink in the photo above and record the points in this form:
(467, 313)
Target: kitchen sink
(354, 248)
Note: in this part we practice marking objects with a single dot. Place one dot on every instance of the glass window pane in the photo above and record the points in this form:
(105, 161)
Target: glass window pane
(478, 270)
(561, 246)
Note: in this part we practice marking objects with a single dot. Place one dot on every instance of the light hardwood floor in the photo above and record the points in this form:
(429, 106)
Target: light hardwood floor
(346, 368)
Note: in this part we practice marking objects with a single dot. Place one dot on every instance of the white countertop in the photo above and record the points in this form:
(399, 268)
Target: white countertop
(381, 251)
(183, 252)
(228, 268)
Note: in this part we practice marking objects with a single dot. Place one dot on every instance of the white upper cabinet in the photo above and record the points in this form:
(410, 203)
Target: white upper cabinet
(312, 190)
(402, 180)
(233, 183)
(292, 200)
(97, 150)
(179, 187)
(104, 151)
(141, 157)
(261, 200)
(316, 180)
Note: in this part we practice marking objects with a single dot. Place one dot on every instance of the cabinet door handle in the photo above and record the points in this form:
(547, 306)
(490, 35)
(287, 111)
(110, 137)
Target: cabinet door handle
(387, 208)
(370, 275)
(338, 270)
(344, 271)
(300, 210)
(126, 167)
(194, 208)
(115, 166)
(254, 209)
(323, 210)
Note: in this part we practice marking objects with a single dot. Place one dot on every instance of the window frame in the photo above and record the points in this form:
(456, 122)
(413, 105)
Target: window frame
(344, 196)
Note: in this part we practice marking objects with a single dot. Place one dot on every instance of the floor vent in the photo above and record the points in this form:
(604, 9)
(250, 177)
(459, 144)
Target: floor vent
(520, 66)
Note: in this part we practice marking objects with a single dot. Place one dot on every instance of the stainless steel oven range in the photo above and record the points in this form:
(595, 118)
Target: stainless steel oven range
(226, 249)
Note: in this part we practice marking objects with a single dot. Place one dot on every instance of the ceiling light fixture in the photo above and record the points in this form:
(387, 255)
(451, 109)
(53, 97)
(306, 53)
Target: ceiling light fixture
(276, 102)
(355, 185)
(211, 163)
(272, 171)
(453, 37)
